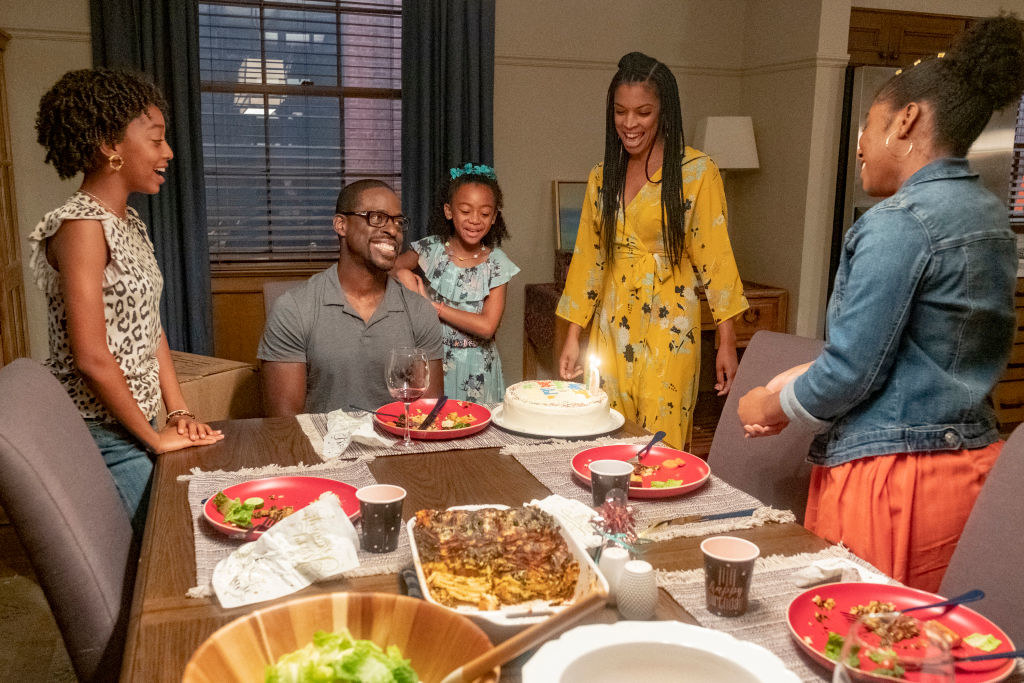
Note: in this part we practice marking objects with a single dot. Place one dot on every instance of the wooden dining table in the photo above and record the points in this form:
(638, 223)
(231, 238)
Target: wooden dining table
(166, 626)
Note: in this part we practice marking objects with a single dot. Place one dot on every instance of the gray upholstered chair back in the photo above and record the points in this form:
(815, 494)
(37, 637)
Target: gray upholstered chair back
(272, 289)
(773, 468)
(68, 515)
(990, 554)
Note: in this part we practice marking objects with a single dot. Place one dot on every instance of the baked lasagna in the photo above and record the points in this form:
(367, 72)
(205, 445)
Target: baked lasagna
(488, 558)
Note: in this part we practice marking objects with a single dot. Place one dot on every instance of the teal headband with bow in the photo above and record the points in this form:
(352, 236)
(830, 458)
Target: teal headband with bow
(473, 169)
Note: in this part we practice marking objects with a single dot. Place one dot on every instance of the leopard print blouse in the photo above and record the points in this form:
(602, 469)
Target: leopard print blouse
(132, 284)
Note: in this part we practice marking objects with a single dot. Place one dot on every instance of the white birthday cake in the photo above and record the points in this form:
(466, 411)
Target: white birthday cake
(544, 406)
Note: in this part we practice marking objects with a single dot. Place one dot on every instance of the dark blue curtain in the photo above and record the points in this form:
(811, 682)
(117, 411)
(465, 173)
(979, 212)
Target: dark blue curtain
(447, 96)
(161, 39)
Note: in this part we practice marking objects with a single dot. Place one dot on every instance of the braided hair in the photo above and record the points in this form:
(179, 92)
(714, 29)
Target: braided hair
(982, 72)
(637, 67)
(444, 227)
(89, 108)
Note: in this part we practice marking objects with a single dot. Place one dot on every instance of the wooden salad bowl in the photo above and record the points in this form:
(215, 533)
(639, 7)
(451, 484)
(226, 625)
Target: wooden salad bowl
(435, 639)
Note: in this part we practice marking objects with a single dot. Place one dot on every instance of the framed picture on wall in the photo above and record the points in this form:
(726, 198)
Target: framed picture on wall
(569, 196)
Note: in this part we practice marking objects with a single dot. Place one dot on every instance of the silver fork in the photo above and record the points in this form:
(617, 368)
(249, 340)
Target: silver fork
(658, 436)
(963, 598)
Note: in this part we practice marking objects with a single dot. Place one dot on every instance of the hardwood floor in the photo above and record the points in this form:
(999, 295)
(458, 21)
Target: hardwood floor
(31, 648)
(705, 420)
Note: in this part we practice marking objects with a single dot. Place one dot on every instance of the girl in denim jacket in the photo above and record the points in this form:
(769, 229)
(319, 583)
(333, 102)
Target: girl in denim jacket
(920, 322)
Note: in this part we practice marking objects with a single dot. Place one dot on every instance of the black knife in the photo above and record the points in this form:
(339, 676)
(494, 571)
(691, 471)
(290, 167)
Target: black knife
(434, 412)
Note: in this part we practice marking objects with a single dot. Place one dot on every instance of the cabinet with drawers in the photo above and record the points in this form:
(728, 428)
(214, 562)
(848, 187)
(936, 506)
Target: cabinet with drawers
(1008, 394)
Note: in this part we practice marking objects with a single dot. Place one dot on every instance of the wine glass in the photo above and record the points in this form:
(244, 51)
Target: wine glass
(888, 646)
(408, 376)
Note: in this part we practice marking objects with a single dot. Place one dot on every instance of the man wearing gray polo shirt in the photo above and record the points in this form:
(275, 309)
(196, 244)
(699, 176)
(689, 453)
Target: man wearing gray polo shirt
(326, 342)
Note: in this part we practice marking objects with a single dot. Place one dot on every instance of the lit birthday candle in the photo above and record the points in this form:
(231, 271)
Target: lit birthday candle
(594, 384)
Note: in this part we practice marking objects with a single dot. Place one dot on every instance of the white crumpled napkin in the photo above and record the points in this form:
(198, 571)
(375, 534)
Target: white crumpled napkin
(343, 429)
(575, 516)
(835, 569)
(313, 544)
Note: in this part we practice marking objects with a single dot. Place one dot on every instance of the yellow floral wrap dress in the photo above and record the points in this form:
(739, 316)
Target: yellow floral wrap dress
(646, 331)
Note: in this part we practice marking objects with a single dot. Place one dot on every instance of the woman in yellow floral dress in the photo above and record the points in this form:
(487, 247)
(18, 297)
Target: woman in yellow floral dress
(653, 227)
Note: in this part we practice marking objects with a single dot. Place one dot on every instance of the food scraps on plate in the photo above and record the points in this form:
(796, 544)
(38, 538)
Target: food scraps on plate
(242, 513)
(451, 420)
(641, 472)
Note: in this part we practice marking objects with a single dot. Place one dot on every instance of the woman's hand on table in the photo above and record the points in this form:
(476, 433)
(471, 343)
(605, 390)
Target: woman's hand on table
(761, 413)
(187, 425)
(185, 432)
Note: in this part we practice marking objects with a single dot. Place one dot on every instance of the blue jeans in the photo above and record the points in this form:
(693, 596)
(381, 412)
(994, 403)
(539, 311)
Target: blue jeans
(130, 466)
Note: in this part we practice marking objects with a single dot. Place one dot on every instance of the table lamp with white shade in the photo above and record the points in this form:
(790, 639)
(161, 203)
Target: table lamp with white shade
(729, 140)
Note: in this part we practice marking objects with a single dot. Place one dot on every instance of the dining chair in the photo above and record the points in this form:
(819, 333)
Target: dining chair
(990, 553)
(68, 515)
(771, 468)
(272, 289)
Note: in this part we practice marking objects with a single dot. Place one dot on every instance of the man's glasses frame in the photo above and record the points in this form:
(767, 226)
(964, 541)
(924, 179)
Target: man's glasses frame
(378, 219)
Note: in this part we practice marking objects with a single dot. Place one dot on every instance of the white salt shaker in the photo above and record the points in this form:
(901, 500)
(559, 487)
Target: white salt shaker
(613, 560)
(637, 592)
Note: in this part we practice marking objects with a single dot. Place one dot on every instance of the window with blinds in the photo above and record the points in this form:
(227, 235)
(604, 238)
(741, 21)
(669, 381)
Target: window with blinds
(299, 97)
(1017, 174)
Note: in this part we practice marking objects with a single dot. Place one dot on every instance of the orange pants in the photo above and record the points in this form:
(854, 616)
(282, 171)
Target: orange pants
(903, 513)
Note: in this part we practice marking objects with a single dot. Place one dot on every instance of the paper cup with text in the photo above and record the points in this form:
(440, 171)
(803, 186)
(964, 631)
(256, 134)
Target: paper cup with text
(606, 476)
(380, 509)
(728, 566)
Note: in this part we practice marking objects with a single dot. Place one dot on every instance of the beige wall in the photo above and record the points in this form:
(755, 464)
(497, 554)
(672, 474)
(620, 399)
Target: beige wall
(47, 39)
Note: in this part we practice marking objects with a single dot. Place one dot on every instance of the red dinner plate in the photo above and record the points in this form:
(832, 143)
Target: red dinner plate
(295, 491)
(805, 626)
(692, 472)
(482, 418)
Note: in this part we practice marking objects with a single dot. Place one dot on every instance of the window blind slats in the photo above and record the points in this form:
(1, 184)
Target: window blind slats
(299, 98)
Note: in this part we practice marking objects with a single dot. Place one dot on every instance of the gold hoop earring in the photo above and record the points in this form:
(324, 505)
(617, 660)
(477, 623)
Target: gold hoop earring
(898, 156)
(115, 161)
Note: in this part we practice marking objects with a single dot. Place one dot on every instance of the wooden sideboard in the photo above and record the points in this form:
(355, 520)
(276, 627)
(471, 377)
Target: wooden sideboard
(1008, 394)
(544, 332)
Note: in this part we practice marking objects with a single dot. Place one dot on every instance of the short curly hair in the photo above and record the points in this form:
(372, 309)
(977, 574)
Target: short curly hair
(88, 108)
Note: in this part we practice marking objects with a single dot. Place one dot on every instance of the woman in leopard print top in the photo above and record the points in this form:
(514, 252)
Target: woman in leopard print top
(94, 261)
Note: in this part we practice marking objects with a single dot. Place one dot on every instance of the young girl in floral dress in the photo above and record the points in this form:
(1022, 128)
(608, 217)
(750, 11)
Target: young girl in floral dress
(466, 273)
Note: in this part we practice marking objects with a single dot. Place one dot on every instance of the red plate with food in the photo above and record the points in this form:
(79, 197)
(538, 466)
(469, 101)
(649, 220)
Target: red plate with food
(457, 419)
(820, 611)
(278, 497)
(661, 473)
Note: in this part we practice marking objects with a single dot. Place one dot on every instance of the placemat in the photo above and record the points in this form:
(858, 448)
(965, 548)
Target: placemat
(550, 464)
(771, 591)
(314, 426)
(765, 623)
(212, 546)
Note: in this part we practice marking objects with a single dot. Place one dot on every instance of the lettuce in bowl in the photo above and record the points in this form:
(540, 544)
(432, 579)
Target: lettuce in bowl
(339, 657)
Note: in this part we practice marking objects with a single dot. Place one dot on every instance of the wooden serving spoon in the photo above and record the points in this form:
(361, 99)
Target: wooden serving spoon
(523, 641)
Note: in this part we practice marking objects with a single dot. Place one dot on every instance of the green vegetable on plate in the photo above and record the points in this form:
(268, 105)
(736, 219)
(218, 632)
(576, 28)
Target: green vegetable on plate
(834, 650)
(986, 642)
(235, 511)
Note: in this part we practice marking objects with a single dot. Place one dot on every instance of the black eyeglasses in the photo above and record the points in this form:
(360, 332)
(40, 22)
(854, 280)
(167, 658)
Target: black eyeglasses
(378, 219)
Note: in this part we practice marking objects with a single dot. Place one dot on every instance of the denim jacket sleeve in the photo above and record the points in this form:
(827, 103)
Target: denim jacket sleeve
(884, 257)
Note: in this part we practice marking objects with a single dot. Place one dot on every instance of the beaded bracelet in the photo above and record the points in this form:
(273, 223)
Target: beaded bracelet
(181, 412)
